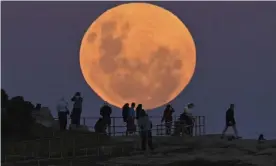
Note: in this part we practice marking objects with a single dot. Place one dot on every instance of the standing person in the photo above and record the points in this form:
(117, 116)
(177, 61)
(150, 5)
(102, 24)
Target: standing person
(131, 119)
(167, 116)
(186, 118)
(105, 112)
(77, 109)
(138, 110)
(125, 111)
(62, 109)
(145, 126)
(230, 121)
(38, 107)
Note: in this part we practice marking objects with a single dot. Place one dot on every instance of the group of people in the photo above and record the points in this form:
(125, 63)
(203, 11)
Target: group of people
(130, 113)
(63, 111)
(184, 124)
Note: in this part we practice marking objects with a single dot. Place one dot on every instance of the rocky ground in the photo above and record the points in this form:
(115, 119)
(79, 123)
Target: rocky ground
(203, 151)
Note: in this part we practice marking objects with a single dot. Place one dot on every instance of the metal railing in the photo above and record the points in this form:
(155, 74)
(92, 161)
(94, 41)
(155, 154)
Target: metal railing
(77, 146)
(117, 123)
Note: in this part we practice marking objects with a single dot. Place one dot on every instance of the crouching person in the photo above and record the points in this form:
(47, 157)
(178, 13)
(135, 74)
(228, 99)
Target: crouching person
(100, 126)
(145, 126)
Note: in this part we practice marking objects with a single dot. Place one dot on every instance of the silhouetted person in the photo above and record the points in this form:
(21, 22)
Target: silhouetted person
(77, 109)
(139, 110)
(38, 107)
(145, 126)
(125, 111)
(230, 121)
(167, 117)
(261, 138)
(105, 112)
(62, 108)
(187, 120)
(131, 119)
(100, 126)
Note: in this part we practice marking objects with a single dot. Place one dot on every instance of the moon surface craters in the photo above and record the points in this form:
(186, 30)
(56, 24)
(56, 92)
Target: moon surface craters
(91, 37)
(110, 46)
(132, 79)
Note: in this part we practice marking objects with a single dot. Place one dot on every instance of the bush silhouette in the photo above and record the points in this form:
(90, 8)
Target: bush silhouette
(17, 115)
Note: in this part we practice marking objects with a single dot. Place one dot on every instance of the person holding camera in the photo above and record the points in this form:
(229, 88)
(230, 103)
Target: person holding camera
(77, 109)
(63, 112)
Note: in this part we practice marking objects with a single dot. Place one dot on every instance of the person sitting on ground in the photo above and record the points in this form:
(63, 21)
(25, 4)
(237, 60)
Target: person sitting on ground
(145, 126)
(100, 126)
(167, 117)
(106, 112)
(230, 121)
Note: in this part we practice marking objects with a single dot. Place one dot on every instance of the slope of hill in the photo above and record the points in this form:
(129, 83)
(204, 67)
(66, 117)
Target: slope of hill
(204, 151)
(171, 151)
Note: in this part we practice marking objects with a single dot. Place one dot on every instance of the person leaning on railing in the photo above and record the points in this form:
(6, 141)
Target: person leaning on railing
(186, 118)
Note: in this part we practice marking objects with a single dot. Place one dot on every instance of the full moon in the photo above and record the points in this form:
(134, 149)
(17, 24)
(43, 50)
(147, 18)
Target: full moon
(137, 52)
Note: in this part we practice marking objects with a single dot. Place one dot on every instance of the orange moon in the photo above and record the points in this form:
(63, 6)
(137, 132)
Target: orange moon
(137, 52)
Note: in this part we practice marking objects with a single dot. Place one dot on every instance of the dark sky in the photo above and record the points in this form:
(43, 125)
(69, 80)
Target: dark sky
(236, 55)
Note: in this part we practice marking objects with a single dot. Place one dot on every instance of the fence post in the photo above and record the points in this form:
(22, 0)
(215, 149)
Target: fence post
(201, 126)
(204, 125)
(157, 130)
(195, 125)
(113, 123)
(74, 146)
(61, 147)
(84, 121)
(49, 148)
(161, 129)
(198, 124)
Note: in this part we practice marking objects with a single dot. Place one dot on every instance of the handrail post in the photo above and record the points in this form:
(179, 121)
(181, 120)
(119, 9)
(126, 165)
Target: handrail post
(157, 131)
(84, 121)
(113, 123)
(195, 125)
(61, 147)
(161, 129)
(49, 148)
(74, 146)
(200, 127)
(204, 125)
